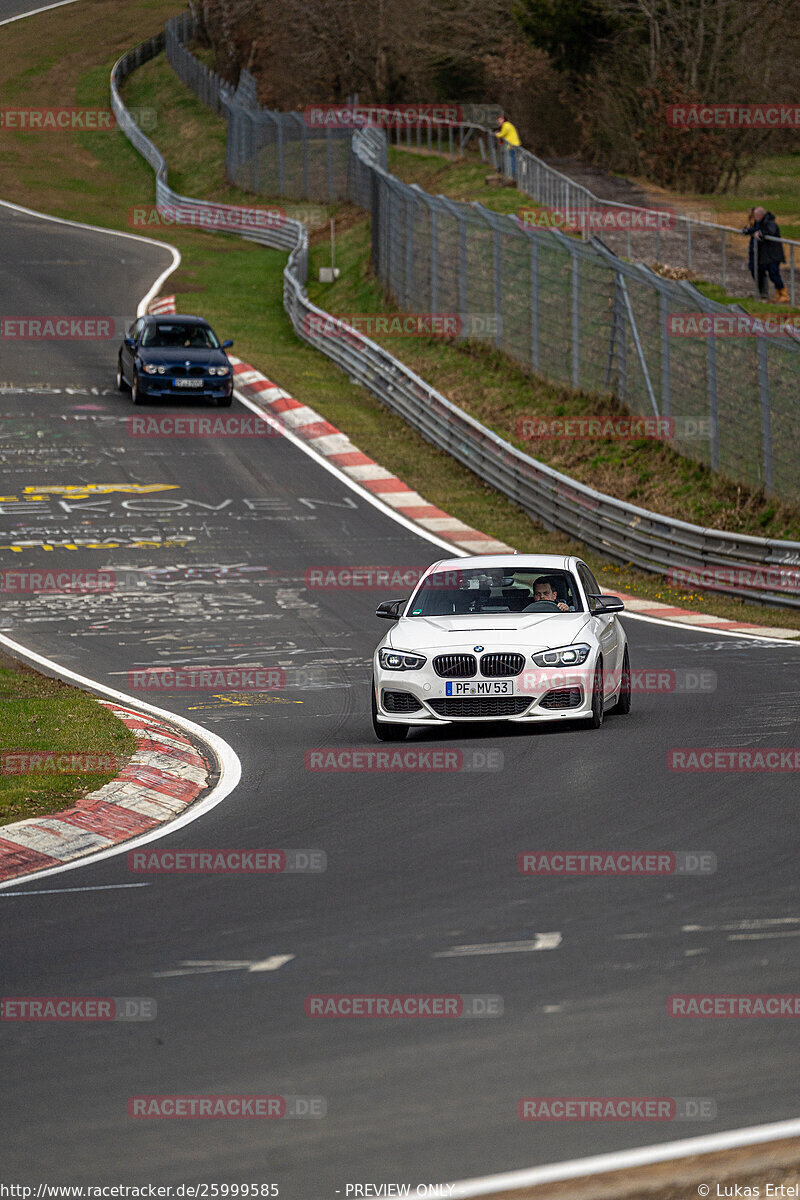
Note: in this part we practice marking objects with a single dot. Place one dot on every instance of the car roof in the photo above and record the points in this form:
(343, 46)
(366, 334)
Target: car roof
(171, 318)
(537, 562)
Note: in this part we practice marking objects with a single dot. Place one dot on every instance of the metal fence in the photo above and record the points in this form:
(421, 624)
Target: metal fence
(616, 529)
(562, 307)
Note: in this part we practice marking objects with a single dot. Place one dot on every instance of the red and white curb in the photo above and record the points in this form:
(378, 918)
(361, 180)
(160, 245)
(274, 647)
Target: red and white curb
(162, 304)
(163, 777)
(660, 612)
(339, 452)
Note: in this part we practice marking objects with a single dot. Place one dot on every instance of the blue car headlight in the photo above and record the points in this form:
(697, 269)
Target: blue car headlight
(563, 656)
(218, 370)
(153, 369)
(400, 660)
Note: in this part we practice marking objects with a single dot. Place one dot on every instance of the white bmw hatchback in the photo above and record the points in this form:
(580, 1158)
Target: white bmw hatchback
(522, 638)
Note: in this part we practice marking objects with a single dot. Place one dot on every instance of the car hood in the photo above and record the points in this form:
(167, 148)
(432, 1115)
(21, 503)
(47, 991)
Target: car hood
(536, 631)
(182, 354)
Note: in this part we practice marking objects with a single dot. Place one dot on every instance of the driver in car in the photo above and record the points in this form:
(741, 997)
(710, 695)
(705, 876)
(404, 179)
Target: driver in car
(543, 590)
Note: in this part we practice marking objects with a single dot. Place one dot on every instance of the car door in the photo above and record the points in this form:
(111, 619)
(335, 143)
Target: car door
(128, 355)
(606, 627)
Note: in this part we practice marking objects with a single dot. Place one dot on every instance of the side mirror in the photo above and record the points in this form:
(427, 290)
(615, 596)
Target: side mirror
(606, 604)
(229, 342)
(129, 342)
(389, 609)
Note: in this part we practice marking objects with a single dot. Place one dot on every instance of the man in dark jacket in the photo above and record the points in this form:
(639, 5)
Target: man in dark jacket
(762, 226)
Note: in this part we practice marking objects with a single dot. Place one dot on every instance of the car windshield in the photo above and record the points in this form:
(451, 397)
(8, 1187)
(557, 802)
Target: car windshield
(488, 591)
(184, 336)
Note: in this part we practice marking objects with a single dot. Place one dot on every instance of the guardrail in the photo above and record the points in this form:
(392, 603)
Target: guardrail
(616, 529)
(567, 309)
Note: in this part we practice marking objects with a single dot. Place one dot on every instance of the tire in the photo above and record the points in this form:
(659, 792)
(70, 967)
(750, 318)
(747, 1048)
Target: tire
(623, 703)
(136, 395)
(596, 719)
(225, 402)
(121, 384)
(384, 732)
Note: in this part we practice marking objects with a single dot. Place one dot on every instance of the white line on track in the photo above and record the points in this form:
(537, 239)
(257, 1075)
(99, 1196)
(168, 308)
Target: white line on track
(387, 510)
(230, 766)
(624, 1160)
(34, 11)
(176, 254)
(540, 941)
(100, 887)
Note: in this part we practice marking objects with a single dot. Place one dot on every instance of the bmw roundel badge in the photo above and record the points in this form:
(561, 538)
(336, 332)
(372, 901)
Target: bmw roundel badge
(477, 648)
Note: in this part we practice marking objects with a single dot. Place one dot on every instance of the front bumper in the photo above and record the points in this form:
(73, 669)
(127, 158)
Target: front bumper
(557, 698)
(161, 386)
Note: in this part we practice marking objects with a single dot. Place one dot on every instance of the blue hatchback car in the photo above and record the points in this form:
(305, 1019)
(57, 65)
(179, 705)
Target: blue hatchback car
(173, 356)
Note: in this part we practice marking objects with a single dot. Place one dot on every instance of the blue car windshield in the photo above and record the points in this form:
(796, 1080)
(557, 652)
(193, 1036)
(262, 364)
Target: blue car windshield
(489, 591)
(162, 336)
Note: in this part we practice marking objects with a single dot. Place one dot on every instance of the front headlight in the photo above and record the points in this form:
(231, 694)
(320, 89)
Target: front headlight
(218, 370)
(153, 369)
(564, 656)
(400, 660)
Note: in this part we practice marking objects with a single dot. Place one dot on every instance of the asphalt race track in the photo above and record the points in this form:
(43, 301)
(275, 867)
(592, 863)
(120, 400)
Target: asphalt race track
(211, 543)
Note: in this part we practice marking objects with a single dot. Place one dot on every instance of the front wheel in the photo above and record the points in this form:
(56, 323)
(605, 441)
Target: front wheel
(136, 395)
(384, 732)
(623, 704)
(121, 384)
(596, 719)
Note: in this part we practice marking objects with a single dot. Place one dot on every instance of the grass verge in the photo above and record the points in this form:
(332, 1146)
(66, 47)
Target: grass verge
(43, 714)
(238, 286)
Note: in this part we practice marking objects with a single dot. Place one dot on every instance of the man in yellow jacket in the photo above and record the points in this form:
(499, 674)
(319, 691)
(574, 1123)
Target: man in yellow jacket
(508, 134)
